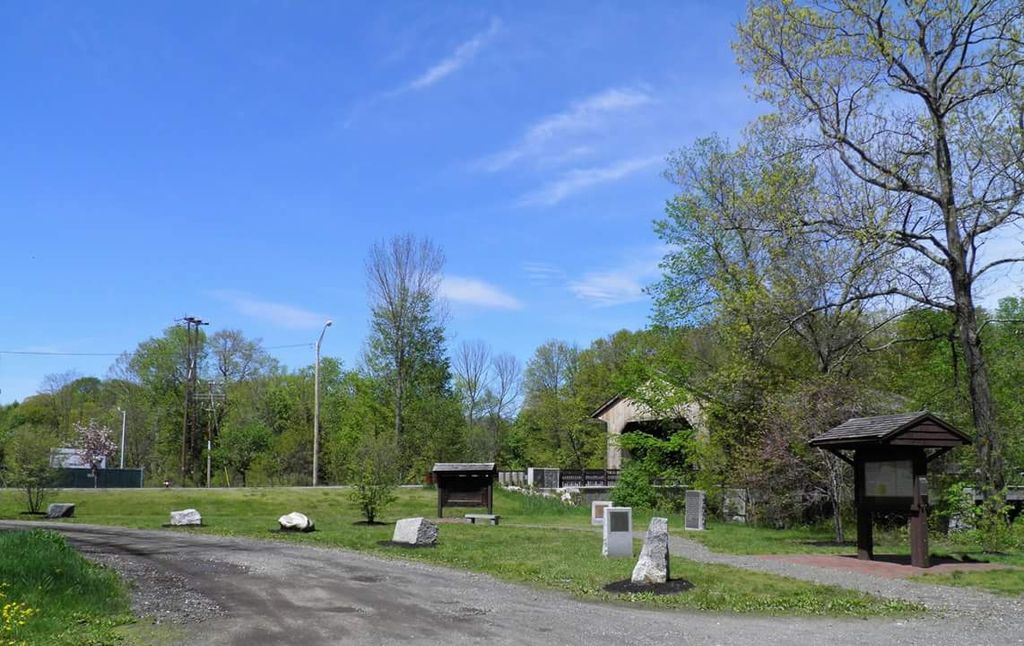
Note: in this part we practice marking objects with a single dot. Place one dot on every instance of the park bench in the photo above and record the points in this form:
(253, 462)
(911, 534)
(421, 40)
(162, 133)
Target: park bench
(492, 518)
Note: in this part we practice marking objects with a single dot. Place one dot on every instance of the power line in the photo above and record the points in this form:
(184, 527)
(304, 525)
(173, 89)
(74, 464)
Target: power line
(61, 354)
(47, 353)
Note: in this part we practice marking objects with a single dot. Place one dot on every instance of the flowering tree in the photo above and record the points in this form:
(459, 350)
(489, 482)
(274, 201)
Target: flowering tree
(96, 445)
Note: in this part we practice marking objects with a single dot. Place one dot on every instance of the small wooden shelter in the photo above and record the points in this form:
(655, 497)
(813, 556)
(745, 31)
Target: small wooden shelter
(465, 484)
(890, 466)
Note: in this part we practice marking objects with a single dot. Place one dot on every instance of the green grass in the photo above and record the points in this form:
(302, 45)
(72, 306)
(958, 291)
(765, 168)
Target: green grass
(73, 601)
(539, 542)
(1003, 582)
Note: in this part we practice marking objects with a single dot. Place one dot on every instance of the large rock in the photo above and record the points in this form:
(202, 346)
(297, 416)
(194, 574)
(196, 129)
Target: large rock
(295, 522)
(186, 517)
(415, 531)
(652, 566)
(60, 510)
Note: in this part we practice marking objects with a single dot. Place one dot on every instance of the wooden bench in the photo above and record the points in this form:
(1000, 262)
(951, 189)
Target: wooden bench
(492, 518)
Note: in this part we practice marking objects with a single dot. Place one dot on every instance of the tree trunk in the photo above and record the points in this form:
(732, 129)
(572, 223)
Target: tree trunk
(989, 451)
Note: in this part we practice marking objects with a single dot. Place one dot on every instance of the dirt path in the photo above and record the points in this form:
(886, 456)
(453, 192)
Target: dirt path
(243, 591)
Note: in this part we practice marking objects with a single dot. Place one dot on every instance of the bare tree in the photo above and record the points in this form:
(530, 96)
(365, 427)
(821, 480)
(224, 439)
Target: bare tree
(403, 276)
(472, 370)
(921, 100)
(508, 383)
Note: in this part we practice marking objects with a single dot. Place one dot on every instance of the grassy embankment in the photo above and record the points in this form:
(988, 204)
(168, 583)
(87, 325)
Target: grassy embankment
(742, 539)
(539, 542)
(49, 594)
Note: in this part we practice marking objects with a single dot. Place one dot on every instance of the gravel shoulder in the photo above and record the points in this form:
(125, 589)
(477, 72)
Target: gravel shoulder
(245, 591)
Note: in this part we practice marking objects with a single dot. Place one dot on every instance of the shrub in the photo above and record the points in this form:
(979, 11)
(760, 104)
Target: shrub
(373, 475)
(28, 464)
(634, 488)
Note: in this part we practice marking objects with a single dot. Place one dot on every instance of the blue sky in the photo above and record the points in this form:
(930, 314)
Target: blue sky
(235, 161)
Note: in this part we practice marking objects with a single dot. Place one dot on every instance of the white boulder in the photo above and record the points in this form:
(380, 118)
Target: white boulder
(415, 531)
(186, 517)
(653, 564)
(296, 522)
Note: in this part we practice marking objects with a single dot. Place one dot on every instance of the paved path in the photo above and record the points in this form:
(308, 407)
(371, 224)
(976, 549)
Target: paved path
(254, 592)
(945, 599)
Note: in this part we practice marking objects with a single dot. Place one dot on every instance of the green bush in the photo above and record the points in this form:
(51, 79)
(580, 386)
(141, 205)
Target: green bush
(634, 488)
(374, 476)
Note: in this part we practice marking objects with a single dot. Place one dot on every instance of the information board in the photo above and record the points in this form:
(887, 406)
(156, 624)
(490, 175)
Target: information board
(889, 479)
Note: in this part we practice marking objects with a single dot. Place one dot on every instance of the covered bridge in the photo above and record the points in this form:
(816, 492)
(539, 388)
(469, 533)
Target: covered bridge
(622, 415)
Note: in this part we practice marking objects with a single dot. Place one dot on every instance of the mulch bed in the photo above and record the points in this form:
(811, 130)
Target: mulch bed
(408, 546)
(278, 530)
(672, 586)
(201, 525)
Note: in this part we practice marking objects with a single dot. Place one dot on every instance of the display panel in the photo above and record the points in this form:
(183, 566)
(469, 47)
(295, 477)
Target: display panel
(889, 479)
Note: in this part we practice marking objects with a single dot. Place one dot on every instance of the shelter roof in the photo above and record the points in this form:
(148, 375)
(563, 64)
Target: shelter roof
(919, 428)
(462, 467)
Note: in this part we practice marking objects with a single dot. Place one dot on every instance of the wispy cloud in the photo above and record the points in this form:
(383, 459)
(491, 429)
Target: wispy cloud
(544, 138)
(477, 292)
(579, 179)
(455, 61)
(279, 314)
(542, 272)
(620, 285)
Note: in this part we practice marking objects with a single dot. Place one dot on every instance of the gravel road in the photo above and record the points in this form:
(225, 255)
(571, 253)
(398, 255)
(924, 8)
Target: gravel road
(243, 591)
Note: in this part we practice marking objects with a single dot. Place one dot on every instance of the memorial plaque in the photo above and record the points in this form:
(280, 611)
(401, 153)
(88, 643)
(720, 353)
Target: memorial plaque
(597, 511)
(694, 519)
(542, 478)
(618, 531)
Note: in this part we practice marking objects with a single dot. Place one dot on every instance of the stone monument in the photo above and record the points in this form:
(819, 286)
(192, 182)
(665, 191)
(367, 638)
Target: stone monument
(653, 564)
(186, 517)
(694, 519)
(597, 511)
(415, 531)
(618, 531)
(60, 510)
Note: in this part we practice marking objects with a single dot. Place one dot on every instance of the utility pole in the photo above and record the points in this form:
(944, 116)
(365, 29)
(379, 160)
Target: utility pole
(189, 418)
(316, 402)
(124, 427)
(212, 399)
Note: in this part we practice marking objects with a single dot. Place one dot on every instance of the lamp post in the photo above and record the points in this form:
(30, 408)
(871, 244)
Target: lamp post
(124, 426)
(316, 402)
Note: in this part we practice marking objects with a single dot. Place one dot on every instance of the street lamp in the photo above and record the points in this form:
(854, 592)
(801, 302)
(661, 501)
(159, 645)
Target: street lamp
(124, 426)
(316, 401)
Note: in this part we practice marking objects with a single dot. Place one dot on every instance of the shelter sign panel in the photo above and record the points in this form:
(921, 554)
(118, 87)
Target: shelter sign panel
(889, 479)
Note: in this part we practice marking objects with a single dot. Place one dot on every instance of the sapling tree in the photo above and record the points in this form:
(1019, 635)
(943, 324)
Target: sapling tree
(96, 444)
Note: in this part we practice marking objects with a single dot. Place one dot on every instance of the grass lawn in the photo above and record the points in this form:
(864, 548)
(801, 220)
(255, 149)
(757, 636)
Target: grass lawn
(51, 595)
(539, 542)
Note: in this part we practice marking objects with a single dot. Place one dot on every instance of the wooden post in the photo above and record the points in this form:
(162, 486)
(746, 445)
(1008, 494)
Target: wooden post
(919, 515)
(865, 539)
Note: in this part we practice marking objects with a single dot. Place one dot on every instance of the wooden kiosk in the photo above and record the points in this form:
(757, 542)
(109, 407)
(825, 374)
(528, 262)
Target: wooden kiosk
(464, 484)
(890, 466)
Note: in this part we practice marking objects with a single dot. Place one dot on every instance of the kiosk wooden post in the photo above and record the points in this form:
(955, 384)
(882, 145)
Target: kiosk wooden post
(890, 466)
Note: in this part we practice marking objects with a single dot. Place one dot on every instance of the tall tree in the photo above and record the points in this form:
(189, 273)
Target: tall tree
(922, 100)
(406, 346)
